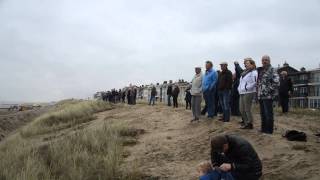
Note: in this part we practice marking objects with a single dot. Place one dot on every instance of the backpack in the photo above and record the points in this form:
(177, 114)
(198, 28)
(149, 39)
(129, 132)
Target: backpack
(293, 135)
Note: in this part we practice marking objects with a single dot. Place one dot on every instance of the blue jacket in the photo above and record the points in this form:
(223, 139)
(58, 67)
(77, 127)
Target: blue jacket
(209, 80)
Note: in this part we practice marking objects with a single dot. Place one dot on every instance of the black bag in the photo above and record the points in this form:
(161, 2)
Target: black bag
(293, 135)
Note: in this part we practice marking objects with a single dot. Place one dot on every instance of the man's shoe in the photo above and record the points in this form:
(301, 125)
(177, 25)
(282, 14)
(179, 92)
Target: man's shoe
(248, 126)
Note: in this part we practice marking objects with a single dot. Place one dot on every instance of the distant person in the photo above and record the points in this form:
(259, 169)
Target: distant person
(113, 94)
(285, 91)
(129, 91)
(153, 96)
(134, 96)
(119, 95)
(196, 92)
(175, 95)
(123, 96)
(268, 83)
(247, 91)
(187, 98)
(224, 90)
(217, 104)
(169, 92)
(206, 172)
(209, 83)
(235, 97)
(232, 153)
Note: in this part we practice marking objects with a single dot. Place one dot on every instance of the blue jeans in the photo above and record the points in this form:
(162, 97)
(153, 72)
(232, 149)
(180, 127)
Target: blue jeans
(266, 112)
(152, 99)
(209, 98)
(224, 99)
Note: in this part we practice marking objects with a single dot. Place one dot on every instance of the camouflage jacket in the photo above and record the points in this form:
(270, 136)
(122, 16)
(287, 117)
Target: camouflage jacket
(268, 83)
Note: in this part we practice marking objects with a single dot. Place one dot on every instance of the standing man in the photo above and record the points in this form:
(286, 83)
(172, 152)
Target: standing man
(235, 102)
(285, 91)
(209, 82)
(129, 91)
(224, 90)
(196, 92)
(169, 92)
(175, 94)
(268, 83)
(153, 95)
(188, 98)
(134, 96)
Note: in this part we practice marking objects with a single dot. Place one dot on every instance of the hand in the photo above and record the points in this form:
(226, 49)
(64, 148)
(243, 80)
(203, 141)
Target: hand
(225, 167)
(200, 173)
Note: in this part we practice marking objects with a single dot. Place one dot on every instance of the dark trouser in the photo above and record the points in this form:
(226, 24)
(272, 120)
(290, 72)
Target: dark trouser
(169, 99)
(224, 99)
(284, 102)
(266, 112)
(209, 98)
(188, 104)
(204, 110)
(175, 101)
(152, 99)
(235, 102)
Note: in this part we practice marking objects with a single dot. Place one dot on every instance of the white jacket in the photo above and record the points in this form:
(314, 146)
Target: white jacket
(248, 83)
(196, 85)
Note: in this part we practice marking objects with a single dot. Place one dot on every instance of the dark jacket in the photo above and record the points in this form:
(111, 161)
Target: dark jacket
(188, 95)
(176, 91)
(225, 80)
(153, 91)
(169, 90)
(285, 86)
(246, 164)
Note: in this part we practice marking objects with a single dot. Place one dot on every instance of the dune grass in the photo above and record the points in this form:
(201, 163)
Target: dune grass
(86, 154)
(67, 114)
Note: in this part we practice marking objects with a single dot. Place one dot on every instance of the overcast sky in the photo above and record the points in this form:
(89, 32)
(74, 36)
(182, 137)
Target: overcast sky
(56, 49)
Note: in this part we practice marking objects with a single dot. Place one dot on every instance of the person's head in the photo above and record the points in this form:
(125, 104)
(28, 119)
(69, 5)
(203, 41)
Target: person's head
(170, 81)
(265, 60)
(204, 167)
(209, 65)
(197, 70)
(219, 144)
(224, 66)
(284, 73)
(249, 63)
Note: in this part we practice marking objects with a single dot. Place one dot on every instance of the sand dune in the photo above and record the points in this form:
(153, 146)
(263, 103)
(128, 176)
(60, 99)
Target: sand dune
(172, 147)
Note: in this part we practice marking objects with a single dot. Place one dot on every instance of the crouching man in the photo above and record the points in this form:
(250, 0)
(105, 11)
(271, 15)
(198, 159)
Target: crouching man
(234, 154)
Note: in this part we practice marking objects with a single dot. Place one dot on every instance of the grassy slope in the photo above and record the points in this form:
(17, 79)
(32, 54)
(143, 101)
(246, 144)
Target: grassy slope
(83, 154)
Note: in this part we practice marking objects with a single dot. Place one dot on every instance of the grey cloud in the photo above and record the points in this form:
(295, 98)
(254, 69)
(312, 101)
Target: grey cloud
(51, 50)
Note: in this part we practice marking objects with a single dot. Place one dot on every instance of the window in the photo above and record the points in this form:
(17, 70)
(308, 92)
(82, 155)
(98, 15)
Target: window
(317, 91)
(314, 103)
(303, 77)
(303, 90)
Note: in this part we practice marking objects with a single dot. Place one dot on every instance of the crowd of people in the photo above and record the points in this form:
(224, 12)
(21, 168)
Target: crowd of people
(128, 95)
(233, 94)
(232, 157)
